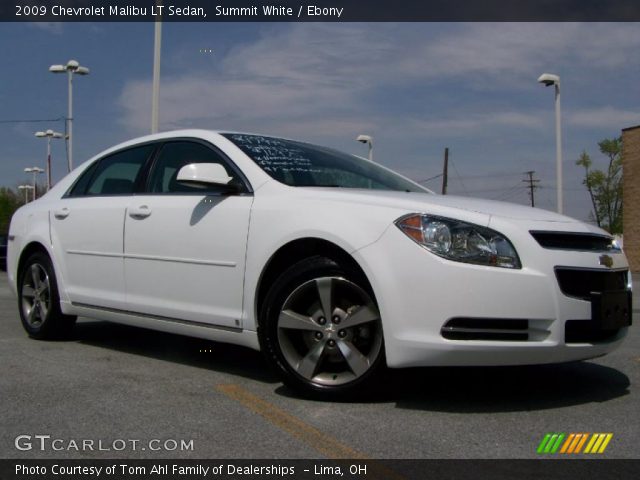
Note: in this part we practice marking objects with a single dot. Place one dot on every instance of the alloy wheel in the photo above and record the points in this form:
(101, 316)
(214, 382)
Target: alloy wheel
(329, 331)
(36, 295)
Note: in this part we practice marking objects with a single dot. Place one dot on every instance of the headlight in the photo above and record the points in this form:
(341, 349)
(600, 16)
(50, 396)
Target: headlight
(460, 241)
(615, 246)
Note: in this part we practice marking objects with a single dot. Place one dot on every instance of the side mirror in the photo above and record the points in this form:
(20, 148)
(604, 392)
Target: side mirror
(204, 175)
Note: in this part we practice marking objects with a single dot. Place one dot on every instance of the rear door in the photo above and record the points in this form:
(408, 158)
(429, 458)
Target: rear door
(185, 246)
(87, 228)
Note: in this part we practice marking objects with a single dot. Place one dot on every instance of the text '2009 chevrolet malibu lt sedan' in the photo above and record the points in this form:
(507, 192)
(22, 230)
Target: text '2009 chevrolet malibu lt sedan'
(330, 264)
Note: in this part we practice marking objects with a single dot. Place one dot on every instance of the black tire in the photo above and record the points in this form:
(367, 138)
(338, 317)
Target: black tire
(317, 356)
(39, 301)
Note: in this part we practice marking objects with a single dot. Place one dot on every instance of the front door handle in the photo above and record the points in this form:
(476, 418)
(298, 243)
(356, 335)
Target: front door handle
(62, 213)
(142, 211)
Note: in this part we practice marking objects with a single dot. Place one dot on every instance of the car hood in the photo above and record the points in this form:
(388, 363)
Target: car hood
(496, 208)
(432, 203)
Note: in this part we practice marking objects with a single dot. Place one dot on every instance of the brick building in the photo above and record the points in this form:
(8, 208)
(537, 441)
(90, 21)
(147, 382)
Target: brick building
(631, 194)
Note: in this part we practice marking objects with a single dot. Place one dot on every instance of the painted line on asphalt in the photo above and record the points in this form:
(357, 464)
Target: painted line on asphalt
(330, 447)
(320, 441)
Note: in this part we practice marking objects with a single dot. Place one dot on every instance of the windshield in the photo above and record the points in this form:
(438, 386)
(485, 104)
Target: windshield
(303, 165)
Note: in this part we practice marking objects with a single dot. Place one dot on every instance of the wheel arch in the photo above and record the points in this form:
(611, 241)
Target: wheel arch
(39, 324)
(29, 249)
(299, 249)
(38, 245)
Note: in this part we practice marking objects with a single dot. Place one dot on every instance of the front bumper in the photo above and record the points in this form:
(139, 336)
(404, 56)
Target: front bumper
(419, 293)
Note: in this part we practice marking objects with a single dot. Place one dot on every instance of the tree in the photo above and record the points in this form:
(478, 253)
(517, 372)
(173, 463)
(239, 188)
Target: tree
(585, 161)
(9, 203)
(605, 186)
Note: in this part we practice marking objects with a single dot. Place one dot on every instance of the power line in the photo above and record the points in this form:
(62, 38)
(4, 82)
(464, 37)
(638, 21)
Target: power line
(493, 175)
(429, 179)
(38, 120)
(508, 193)
(511, 195)
(459, 177)
(500, 190)
(468, 177)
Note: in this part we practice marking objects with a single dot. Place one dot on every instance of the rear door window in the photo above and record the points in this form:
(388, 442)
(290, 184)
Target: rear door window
(115, 174)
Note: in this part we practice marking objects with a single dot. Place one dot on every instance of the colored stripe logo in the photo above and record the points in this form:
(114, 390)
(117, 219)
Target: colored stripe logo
(573, 443)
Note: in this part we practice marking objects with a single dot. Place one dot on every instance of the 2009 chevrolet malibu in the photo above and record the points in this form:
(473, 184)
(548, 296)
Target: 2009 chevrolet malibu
(332, 265)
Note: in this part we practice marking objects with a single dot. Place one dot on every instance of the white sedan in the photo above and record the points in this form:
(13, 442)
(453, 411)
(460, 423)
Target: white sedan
(332, 265)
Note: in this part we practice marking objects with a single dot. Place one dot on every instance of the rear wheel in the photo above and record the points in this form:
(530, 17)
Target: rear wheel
(321, 329)
(38, 300)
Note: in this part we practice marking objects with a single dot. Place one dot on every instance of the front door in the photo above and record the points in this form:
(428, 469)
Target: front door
(184, 246)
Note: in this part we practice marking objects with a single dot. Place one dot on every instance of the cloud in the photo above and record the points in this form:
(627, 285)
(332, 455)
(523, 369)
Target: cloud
(329, 82)
(368, 55)
(507, 53)
(51, 27)
(189, 100)
(349, 57)
(478, 121)
(603, 117)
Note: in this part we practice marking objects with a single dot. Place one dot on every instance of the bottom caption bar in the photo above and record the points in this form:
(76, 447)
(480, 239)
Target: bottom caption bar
(122, 469)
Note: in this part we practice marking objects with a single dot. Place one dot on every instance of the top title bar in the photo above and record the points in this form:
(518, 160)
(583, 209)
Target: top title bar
(320, 11)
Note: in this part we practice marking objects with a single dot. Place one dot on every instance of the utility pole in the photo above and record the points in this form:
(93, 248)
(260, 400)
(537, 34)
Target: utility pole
(532, 185)
(445, 171)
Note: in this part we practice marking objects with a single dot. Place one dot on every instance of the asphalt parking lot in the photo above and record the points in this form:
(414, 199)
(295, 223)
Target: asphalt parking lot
(112, 383)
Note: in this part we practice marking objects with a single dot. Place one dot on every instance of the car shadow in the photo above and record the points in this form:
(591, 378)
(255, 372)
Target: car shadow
(203, 207)
(224, 358)
(506, 389)
(494, 389)
(440, 389)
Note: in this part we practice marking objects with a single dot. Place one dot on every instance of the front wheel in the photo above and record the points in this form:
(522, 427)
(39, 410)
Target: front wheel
(38, 300)
(321, 329)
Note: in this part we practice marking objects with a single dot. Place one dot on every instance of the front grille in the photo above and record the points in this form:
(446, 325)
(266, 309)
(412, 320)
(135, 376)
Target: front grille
(590, 242)
(579, 283)
(486, 329)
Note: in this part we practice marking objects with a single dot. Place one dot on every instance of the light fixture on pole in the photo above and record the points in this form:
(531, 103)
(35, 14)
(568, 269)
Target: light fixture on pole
(49, 134)
(548, 79)
(71, 68)
(35, 171)
(26, 189)
(369, 141)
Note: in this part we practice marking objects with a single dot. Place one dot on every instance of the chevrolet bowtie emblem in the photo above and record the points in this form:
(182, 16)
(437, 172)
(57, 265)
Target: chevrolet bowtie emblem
(606, 260)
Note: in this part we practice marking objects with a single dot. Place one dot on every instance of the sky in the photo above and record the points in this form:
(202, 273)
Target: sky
(416, 88)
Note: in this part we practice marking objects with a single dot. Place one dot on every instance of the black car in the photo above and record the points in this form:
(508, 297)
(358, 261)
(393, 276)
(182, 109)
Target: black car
(3, 252)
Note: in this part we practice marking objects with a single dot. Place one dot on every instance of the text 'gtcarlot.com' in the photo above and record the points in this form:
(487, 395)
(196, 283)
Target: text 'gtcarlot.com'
(45, 443)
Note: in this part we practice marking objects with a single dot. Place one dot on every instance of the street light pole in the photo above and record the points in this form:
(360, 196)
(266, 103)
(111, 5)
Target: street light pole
(49, 134)
(26, 189)
(369, 141)
(548, 79)
(155, 89)
(559, 149)
(72, 67)
(70, 119)
(35, 171)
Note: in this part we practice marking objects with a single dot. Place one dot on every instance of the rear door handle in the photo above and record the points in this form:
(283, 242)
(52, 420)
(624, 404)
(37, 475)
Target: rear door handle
(62, 213)
(142, 211)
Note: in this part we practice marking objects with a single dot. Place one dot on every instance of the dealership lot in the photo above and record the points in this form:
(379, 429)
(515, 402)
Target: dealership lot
(114, 391)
